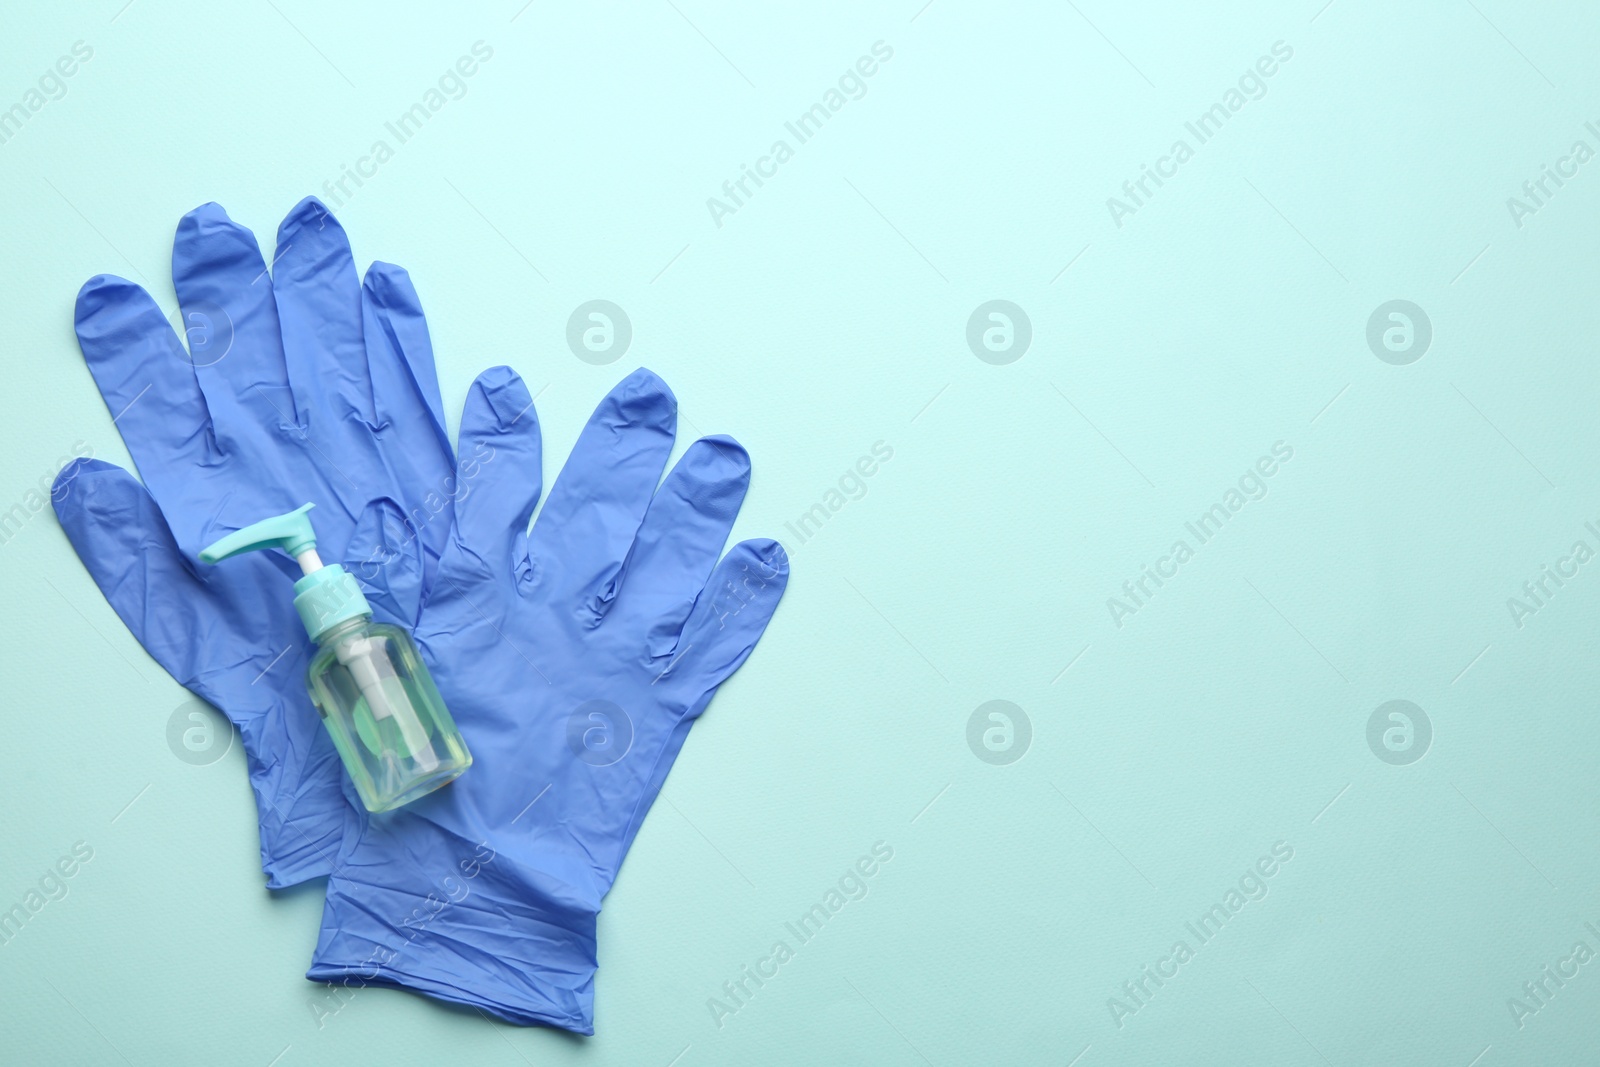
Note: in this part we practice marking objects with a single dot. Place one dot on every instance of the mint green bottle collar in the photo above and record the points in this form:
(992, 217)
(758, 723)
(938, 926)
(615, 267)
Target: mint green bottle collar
(326, 596)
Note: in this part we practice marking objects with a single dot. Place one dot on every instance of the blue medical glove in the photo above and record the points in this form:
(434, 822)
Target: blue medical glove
(574, 658)
(302, 385)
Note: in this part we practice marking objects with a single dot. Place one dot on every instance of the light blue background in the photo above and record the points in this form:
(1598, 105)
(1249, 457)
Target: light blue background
(829, 313)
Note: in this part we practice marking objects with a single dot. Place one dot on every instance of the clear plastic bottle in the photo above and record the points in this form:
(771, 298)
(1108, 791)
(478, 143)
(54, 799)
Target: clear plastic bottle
(392, 730)
(367, 680)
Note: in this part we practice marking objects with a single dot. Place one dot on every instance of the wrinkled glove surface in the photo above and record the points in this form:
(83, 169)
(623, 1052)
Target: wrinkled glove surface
(574, 658)
(299, 384)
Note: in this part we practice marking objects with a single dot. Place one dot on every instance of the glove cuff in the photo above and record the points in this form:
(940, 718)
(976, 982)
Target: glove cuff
(517, 944)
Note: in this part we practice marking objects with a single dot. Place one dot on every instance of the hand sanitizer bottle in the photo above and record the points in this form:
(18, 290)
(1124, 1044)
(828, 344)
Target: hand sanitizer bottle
(367, 680)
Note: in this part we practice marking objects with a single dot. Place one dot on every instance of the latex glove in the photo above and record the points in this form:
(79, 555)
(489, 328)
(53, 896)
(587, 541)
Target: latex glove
(574, 659)
(302, 385)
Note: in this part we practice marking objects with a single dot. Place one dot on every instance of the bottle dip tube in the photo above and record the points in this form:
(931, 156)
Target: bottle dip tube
(375, 696)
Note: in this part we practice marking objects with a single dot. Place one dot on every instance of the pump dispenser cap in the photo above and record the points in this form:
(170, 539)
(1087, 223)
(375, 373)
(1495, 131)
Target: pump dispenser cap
(326, 595)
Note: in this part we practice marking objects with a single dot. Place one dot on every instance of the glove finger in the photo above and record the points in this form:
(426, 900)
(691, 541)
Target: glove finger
(405, 383)
(728, 619)
(498, 477)
(601, 495)
(230, 323)
(145, 377)
(679, 541)
(385, 554)
(319, 310)
(123, 541)
(405, 395)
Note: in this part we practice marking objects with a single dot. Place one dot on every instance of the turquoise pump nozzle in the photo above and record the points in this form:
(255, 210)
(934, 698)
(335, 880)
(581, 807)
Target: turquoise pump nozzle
(326, 595)
(291, 532)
